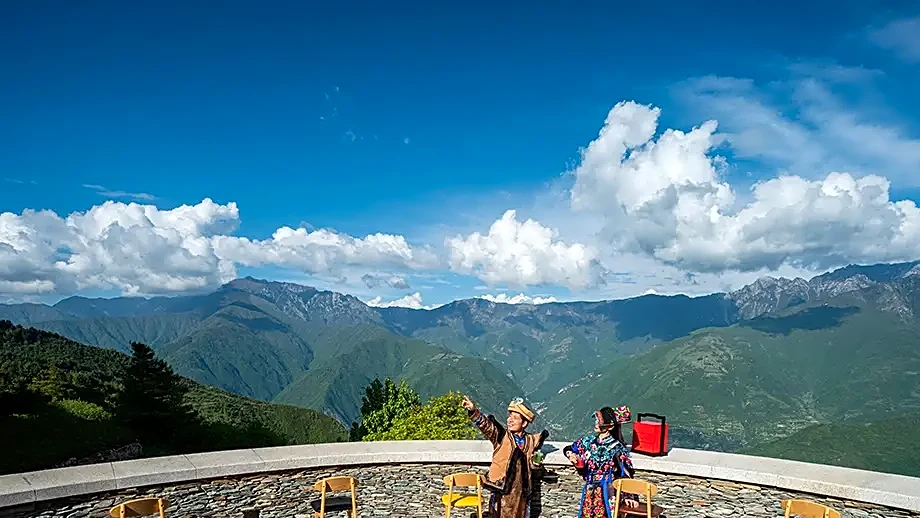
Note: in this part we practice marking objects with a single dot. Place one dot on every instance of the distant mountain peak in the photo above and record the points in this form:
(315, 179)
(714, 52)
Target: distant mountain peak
(306, 302)
(257, 286)
(914, 270)
(768, 294)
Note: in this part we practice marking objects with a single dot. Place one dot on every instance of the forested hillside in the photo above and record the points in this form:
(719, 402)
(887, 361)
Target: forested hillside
(61, 401)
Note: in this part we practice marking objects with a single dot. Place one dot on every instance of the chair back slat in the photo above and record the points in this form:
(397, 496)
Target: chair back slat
(808, 509)
(635, 485)
(335, 484)
(464, 479)
(139, 507)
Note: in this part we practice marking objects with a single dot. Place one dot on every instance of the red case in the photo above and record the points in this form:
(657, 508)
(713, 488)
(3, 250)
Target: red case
(650, 438)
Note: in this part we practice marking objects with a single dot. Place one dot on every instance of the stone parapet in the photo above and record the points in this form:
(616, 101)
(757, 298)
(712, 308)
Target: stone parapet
(436, 458)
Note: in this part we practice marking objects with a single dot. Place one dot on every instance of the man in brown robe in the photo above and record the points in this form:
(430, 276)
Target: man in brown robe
(509, 477)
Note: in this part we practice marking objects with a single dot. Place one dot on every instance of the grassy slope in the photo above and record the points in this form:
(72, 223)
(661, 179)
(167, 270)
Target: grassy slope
(891, 445)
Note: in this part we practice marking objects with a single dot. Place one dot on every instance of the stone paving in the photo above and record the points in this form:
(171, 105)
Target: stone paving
(414, 491)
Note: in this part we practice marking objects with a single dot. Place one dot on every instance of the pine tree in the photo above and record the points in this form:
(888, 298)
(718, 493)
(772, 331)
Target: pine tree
(151, 402)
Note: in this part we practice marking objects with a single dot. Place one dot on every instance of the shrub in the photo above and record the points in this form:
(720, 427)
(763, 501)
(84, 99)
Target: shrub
(441, 419)
(83, 410)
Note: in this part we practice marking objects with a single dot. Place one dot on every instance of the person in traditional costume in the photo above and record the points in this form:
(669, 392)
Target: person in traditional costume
(510, 476)
(601, 458)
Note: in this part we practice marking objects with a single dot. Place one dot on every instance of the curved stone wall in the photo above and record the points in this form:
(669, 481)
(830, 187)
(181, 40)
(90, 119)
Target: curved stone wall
(405, 479)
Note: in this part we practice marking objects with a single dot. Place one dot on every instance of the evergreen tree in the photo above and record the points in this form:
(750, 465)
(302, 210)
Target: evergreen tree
(151, 402)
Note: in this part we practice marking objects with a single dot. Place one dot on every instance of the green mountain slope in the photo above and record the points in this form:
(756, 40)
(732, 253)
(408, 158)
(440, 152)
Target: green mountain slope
(116, 333)
(30, 314)
(240, 349)
(890, 446)
(547, 346)
(335, 385)
(729, 369)
(855, 358)
(47, 434)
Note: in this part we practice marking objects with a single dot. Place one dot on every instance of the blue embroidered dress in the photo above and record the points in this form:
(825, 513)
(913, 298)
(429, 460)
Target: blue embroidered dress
(604, 460)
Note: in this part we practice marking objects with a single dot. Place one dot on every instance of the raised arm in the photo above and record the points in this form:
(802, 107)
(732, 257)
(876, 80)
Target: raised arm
(490, 429)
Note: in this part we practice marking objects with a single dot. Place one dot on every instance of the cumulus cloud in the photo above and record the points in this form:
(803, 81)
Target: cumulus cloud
(522, 254)
(142, 249)
(503, 298)
(412, 301)
(322, 250)
(393, 281)
(666, 198)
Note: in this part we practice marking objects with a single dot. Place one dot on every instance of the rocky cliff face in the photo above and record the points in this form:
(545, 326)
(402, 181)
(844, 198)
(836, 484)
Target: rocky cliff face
(769, 294)
(307, 303)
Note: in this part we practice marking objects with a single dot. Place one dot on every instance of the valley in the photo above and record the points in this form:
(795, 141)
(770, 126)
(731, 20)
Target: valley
(730, 370)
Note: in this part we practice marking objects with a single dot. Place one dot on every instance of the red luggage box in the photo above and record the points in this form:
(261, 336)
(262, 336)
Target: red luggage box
(650, 438)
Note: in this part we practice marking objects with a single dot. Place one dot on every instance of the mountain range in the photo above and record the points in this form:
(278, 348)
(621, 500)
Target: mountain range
(730, 370)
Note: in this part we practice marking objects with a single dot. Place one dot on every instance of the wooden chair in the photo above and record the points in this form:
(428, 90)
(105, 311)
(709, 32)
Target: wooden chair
(140, 507)
(452, 499)
(324, 505)
(639, 487)
(807, 509)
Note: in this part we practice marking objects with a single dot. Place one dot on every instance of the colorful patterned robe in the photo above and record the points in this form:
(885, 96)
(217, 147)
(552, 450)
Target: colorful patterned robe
(605, 460)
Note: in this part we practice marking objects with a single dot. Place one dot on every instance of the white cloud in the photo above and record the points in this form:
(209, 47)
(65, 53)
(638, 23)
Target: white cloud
(142, 249)
(665, 198)
(18, 181)
(503, 298)
(128, 247)
(412, 301)
(322, 250)
(108, 193)
(394, 281)
(800, 125)
(902, 36)
(523, 253)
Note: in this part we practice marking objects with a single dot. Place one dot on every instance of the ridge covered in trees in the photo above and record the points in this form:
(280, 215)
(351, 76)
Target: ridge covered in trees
(62, 402)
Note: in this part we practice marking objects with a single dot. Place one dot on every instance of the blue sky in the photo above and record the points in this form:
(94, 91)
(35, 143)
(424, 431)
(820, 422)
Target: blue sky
(429, 121)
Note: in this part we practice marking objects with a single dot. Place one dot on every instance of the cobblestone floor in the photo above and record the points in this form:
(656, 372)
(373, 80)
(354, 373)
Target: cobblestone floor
(414, 491)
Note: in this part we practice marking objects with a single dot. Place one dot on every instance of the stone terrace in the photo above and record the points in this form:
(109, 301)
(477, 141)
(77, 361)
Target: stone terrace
(392, 485)
(413, 490)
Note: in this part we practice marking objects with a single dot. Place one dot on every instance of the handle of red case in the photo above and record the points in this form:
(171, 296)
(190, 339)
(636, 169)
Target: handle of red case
(656, 416)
